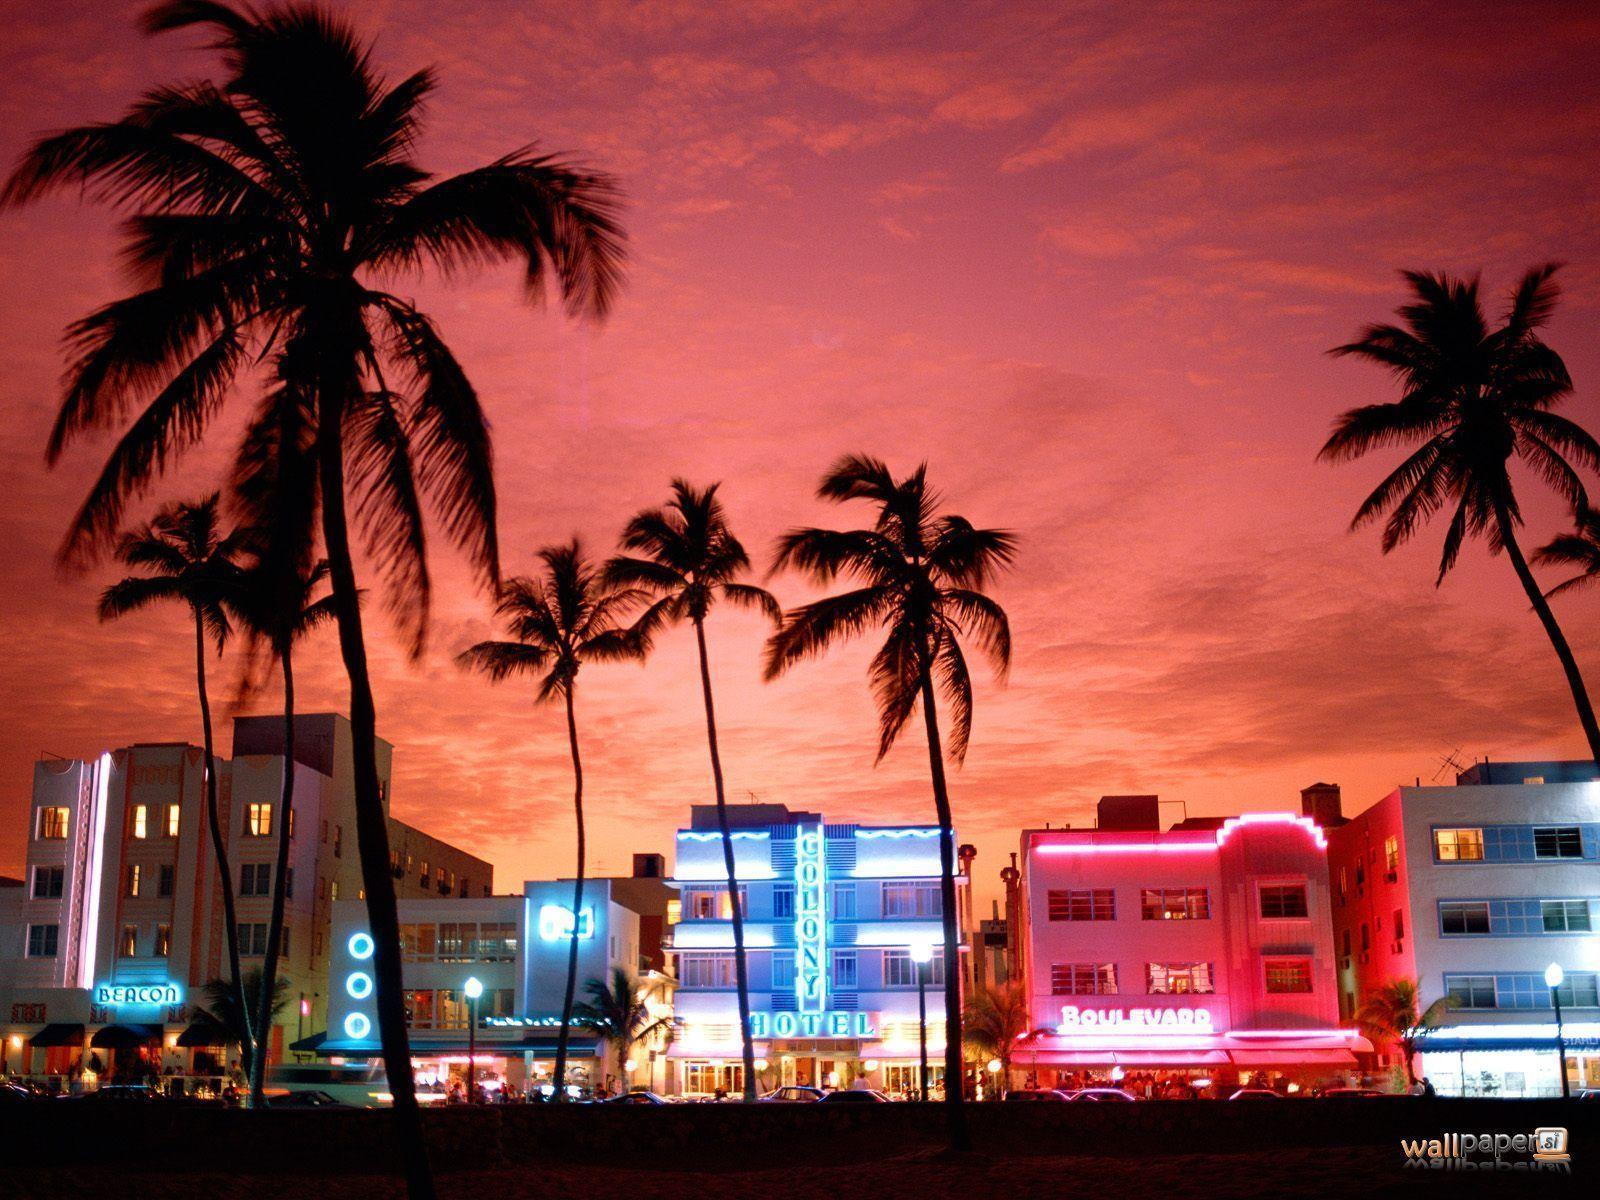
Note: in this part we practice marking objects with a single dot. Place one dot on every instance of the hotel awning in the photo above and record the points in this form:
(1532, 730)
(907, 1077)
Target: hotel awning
(204, 1033)
(309, 1045)
(125, 1037)
(1120, 1058)
(58, 1035)
(1292, 1058)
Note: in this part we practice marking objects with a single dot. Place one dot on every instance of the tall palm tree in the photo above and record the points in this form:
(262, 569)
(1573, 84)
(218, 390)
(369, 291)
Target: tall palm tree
(568, 616)
(230, 1016)
(618, 1010)
(996, 1018)
(267, 211)
(275, 608)
(1580, 549)
(187, 557)
(921, 576)
(1474, 396)
(687, 558)
(1390, 1012)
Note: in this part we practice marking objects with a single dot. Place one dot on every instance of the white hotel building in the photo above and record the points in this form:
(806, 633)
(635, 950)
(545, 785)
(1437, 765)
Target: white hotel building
(1472, 891)
(831, 914)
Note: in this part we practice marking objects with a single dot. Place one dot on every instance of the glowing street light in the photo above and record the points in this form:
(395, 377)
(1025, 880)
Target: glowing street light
(1554, 976)
(922, 955)
(474, 990)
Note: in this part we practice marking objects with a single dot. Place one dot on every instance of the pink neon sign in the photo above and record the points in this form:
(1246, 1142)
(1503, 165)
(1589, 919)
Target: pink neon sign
(1190, 847)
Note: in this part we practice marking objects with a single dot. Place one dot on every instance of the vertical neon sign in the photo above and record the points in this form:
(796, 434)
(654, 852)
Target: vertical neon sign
(811, 926)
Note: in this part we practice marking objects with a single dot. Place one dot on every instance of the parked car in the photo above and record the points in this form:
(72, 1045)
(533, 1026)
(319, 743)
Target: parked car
(793, 1094)
(636, 1097)
(854, 1096)
(306, 1099)
(1038, 1096)
(120, 1093)
(1255, 1094)
(1113, 1095)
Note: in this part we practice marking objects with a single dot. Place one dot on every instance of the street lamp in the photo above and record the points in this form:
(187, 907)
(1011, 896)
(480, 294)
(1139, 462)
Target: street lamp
(474, 990)
(1553, 977)
(922, 955)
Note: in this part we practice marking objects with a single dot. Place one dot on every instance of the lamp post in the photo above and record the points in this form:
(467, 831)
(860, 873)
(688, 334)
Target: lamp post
(1553, 977)
(474, 990)
(922, 955)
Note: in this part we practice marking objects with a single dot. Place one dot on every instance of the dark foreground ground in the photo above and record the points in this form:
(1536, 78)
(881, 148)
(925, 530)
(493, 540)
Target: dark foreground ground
(1303, 1148)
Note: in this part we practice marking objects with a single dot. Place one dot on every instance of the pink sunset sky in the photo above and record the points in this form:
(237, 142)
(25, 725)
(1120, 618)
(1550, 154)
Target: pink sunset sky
(1084, 259)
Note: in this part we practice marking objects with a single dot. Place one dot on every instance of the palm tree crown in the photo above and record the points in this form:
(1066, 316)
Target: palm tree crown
(188, 558)
(921, 577)
(262, 207)
(1392, 1011)
(1580, 549)
(558, 622)
(618, 1010)
(1475, 395)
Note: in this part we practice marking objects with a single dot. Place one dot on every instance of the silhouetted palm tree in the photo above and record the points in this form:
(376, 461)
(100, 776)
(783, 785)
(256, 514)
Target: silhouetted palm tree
(996, 1017)
(689, 559)
(268, 211)
(188, 558)
(1580, 549)
(618, 1010)
(230, 1016)
(276, 609)
(1390, 1012)
(558, 622)
(1475, 396)
(922, 576)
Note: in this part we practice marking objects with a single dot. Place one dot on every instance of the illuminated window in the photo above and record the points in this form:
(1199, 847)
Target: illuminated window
(141, 821)
(1281, 901)
(258, 819)
(1458, 845)
(900, 971)
(1175, 904)
(1463, 916)
(173, 817)
(419, 1008)
(705, 970)
(674, 911)
(1558, 841)
(1391, 858)
(418, 943)
(1288, 975)
(422, 877)
(1178, 979)
(438, 879)
(497, 941)
(333, 890)
(48, 882)
(1083, 979)
(42, 940)
(458, 941)
(129, 946)
(163, 941)
(1092, 904)
(52, 823)
(134, 878)
(911, 900)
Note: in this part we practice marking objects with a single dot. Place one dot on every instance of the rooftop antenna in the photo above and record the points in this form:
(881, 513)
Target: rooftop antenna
(1449, 764)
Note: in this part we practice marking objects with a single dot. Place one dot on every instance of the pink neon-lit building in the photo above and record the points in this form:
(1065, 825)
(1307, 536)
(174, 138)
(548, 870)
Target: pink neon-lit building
(1205, 949)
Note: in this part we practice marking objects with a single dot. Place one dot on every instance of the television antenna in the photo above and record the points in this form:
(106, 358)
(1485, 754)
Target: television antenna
(1449, 764)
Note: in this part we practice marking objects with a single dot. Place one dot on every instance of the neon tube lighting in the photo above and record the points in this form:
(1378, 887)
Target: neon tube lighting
(741, 835)
(919, 832)
(1226, 831)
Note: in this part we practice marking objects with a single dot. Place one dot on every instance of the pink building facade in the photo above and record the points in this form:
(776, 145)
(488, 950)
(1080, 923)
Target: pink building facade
(1204, 950)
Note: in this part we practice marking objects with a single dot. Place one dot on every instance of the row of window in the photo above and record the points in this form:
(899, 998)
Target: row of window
(440, 879)
(1473, 843)
(459, 941)
(918, 899)
(448, 1008)
(44, 941)
(145, 821)
(1282, 975)
(1513, 917)
(1276, 902)
(714, 970)
(1523, 990)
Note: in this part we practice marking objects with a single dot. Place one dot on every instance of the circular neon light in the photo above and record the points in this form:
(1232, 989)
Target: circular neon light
(359, 985)
(356, 1026)
(361, 945)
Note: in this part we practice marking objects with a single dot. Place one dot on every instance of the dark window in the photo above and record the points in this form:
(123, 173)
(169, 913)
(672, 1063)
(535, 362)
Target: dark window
(1280, 901)
(42, 940)
(1470, 991)
(1464, 916)
(1565, 916)
(1095, 904)
(1083, 979)
(47, 882)
(1399, 924)
(166, 877)
(1288, 975)
(1558, 841)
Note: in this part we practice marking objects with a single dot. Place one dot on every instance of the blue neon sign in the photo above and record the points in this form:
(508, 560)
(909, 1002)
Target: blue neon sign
(766, 1025)
(811, 923)
(116, 995)
(555, 923)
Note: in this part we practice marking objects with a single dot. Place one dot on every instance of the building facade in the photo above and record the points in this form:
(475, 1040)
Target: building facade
(119, 926)
(1471, 892)
(517, 948)
(1202, 951)
(833, 917)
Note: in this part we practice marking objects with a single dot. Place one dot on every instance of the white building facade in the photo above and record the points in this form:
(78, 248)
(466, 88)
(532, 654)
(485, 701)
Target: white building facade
(832, 916)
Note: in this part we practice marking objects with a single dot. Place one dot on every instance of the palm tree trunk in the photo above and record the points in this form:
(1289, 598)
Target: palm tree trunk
(269, 968)
(577, 900)
(219, 840)
(372, 830)
(741, 972)
(1541, 606)
(954, 1099)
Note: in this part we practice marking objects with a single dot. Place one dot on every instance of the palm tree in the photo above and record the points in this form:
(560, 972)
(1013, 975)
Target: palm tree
(276, 609)
(688, 559)
(618, 1010)
(230, 1016)
(996, 1018)
(1390, 1012)
(1580, 549)
(188, 558)
(921, 576)
(268, 210)
(565, 618)
(1475, 396)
